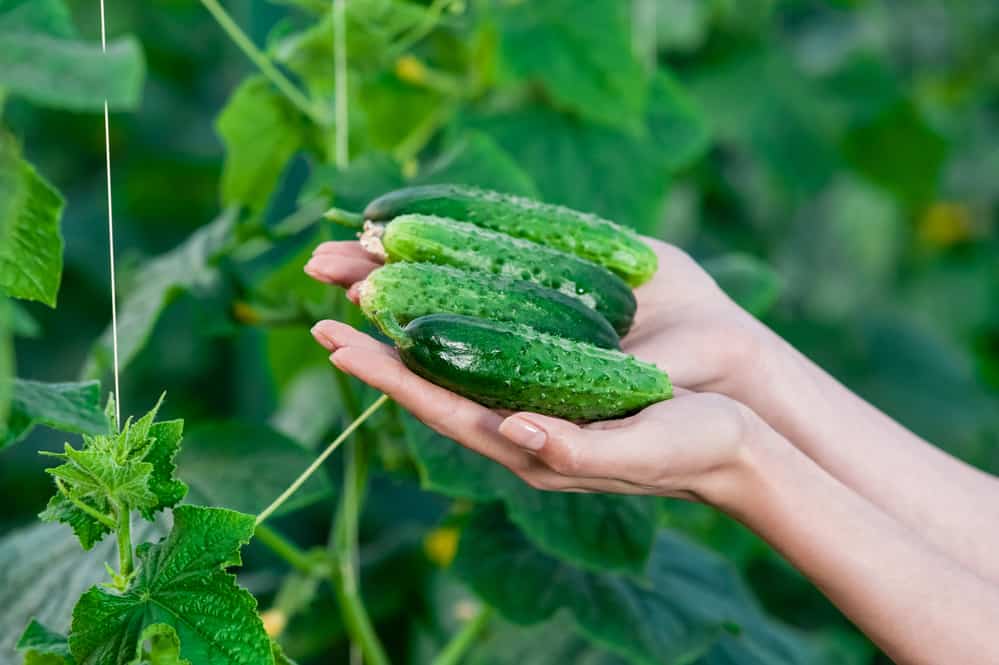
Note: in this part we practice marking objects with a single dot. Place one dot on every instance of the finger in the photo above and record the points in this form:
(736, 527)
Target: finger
(333, 335)
(471, 424)
(341, 270)
(349, 248)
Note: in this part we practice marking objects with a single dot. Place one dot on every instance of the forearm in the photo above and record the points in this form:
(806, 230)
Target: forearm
(919, 606)
(950, 504)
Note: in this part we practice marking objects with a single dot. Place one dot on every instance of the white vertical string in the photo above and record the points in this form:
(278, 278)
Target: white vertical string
(114, 298)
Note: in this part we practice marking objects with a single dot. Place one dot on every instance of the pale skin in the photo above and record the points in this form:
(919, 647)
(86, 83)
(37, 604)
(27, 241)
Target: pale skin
(902, 537)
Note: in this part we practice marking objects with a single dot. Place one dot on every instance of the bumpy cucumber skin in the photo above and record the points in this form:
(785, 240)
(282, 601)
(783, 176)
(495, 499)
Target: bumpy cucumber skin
(405, 291)
(615, 247)
(428, 239)
(511, 366)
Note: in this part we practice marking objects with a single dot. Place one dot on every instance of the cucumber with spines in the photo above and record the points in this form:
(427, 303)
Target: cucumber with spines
(428, 239)
(617, 248)
(406, 291)
(511, 366)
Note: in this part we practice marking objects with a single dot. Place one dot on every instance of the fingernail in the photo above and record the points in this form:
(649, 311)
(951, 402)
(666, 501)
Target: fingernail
(320, 336)
(312, 269)
(523, 432)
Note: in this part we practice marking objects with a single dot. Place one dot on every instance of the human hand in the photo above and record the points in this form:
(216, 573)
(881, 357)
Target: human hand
(694, 446)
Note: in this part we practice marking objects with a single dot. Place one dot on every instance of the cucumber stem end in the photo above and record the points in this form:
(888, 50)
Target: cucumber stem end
(346, 218)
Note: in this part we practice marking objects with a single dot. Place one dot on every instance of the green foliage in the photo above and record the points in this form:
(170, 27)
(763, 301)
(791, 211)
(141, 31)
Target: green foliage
(181, 583)
(130, 469)
(831, 166)
(68, 407)
(30, 243)
(42, 60)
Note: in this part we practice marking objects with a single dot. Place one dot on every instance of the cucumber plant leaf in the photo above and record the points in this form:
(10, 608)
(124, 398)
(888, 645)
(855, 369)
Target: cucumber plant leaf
(243, 466)
(580, 52)
(42, 646)
(132, 469)
(688, 603)
(475, 159)
(574, 527)
(192, 265)
(599, 169)
(42, 60)
(67, 407)
(261, 131)
(180, 582)
(30, 242)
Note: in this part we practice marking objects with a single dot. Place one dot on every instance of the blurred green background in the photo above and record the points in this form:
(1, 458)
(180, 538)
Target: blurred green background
(853, 147)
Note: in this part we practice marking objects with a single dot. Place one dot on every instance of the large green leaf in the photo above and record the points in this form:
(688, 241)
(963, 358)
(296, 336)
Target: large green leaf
(30, 242)
(581, 53)
(599, 169)
(595, 530)
(192, 265)
(245, 466)
(261, 131)
(43, 571)
(6, 359)
(180, 582)
(689, 603)
(68, 407)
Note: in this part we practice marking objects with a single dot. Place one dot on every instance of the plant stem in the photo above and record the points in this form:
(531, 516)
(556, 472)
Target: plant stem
(287, 550)
(433, 15)
(352, 220)
(340, 102)
(344, 547)
(93, 512)
(268, 68)
(269, 510)
(124, 532)
(455, 650)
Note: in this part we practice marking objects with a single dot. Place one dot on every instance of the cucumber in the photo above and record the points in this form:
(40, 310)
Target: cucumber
(406, 291)
(512, 366)
(427, 239)
(617, 248)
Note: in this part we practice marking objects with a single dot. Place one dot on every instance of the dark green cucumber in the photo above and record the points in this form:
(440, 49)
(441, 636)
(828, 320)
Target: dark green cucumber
(427, 239)
(511, 366)
(405, 291)
(617, 248)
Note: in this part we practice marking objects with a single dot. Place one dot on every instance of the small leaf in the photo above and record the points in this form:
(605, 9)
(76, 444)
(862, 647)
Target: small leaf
(129, 470)
(42, 646)
(261, 131)
(67, 407)
(189, 266)
(30, 241)
(164, 646)
(245, 466)
(180, 582)
(751, 283)
(593, 530)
